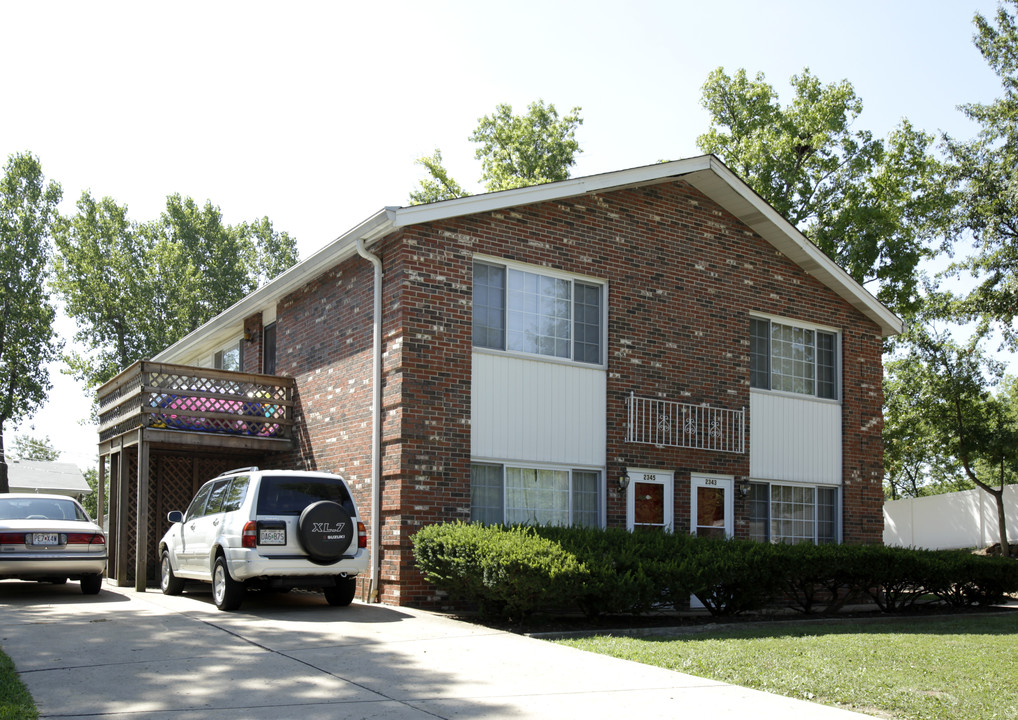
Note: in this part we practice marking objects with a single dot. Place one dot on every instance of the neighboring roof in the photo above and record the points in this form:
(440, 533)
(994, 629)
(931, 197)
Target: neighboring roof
(52, 477)
(706, 173)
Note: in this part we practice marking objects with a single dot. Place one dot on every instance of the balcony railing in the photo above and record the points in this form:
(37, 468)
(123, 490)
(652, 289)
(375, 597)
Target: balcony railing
(673, 424)
(190, 399)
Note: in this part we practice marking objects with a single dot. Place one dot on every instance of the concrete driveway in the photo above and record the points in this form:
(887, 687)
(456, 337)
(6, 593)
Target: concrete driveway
(146, 656)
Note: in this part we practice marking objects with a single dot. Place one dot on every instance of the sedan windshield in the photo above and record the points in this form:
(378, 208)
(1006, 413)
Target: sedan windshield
(40, 509)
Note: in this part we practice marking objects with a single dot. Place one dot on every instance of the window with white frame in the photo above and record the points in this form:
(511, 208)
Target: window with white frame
(507, 494)
(537, 312)
(793, 513)
(792, 358)
(229, 357)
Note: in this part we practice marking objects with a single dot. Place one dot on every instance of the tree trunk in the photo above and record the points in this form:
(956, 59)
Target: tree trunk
(5, 485)
(1005, 549)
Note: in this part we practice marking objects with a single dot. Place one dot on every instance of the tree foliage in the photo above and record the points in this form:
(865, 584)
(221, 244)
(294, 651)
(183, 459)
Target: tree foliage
(877, 208)
(134, 289)
(27, 341)
(437, 187)
(951, 415)
(987, 167)
(514, 150)
(28, 447)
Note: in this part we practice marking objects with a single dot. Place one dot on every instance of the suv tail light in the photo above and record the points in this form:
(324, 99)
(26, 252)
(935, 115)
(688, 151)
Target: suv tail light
(249, 538)
(362, 536)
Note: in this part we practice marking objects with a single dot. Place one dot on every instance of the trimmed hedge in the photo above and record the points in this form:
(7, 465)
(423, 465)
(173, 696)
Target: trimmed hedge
(511, 572)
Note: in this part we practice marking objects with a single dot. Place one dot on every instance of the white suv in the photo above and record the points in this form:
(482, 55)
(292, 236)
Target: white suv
(278, 529)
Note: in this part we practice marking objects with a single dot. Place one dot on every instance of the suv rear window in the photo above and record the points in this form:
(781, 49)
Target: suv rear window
(282, 495)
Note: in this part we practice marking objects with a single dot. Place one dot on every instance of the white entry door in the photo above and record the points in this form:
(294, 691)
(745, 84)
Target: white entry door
(650, 500)
(712, 506)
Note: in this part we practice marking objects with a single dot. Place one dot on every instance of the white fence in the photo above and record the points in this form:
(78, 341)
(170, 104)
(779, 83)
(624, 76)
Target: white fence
(964, 519)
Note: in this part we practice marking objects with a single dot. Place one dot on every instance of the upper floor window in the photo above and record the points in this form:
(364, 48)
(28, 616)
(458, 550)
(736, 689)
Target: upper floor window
(794, 359)
(230, 357)
(533, 312)
(269, 349)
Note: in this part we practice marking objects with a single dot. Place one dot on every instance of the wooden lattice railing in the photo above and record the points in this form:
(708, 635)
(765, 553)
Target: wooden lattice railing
(191, 399)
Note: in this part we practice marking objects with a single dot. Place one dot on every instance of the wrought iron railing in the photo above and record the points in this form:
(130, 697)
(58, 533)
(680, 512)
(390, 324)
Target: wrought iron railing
(673, 424)
(191, 399)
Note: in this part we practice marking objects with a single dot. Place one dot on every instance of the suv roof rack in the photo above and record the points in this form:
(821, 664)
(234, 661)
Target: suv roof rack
(252, 468)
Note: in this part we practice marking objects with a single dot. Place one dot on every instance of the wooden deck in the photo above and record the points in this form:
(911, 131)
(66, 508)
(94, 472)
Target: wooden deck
(189, 406)
(162, 430)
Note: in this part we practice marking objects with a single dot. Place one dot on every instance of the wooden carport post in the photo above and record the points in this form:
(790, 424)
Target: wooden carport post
(123, 477)
(141, 549)
(100, 502)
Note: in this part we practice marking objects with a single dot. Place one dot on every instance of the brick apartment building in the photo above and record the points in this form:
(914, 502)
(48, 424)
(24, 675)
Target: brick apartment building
(649, 348)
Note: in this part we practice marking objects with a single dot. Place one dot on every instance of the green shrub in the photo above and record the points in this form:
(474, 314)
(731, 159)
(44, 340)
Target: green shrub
(815, 575)
(512, 572)
(961, 579)
(507, 572)
(731, 576)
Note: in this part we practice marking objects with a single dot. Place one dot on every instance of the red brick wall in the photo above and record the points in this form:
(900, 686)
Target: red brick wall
(683, 277)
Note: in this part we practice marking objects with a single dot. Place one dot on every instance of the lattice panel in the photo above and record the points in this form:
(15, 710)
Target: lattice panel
(193, 402)
(132, 513)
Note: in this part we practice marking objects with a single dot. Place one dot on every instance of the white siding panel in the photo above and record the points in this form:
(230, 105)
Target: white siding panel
(794, 439)
(537, 411)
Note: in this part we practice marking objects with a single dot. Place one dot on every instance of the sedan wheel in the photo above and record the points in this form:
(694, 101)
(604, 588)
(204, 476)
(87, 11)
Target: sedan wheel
(91, 584)
(227, 593)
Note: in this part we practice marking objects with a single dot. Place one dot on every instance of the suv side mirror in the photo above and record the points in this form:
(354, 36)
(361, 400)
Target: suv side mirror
(175, 516)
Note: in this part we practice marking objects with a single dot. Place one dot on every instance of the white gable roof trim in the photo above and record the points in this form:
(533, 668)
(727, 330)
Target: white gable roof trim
(706, 173)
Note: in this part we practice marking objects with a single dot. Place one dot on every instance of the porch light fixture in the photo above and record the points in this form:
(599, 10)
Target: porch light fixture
(743, 487)
(623, 480)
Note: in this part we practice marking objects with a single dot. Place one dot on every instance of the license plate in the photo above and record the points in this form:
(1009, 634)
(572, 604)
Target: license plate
(45, 539)
(272, 536)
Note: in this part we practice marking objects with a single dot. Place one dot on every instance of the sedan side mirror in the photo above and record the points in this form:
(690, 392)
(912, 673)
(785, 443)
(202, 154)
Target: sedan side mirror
(175, 516)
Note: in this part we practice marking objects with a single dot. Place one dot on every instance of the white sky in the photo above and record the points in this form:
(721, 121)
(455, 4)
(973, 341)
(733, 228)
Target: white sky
(313, 113)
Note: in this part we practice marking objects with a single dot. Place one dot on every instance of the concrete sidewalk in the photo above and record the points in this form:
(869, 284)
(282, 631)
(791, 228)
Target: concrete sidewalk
(147, 656)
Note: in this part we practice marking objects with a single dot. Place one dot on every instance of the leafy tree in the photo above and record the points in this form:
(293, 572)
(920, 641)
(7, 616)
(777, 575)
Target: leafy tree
(27, 447)
(135, 289)
(958, 424)
(28, 205)
(91, 501)
(439, 186)
(877, 208)
(515, 151)
(987, 167)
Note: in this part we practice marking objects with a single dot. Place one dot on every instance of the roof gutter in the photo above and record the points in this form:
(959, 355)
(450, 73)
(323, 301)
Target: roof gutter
(376, 423)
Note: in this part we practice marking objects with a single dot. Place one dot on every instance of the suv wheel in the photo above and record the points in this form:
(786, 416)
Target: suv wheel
(169, 583)
(227, 593)
(325, 531)
(342, 594)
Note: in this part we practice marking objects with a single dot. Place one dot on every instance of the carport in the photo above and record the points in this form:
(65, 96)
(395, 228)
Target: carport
(164, 430)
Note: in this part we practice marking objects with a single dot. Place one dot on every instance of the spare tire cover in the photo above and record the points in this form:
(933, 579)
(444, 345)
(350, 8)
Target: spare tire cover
(325, 531)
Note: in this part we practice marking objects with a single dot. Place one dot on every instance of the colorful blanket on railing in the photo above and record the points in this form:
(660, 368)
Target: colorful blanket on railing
(246, 421)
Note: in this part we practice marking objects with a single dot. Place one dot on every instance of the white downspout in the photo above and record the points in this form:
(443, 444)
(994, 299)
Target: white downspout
(376, 425)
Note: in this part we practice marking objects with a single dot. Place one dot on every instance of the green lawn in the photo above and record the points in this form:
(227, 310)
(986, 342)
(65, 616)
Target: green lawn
(948, 668)
(15, 702)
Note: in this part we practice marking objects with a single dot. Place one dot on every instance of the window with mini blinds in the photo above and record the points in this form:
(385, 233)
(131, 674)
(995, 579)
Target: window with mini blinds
(793, 513)
(532, 312)
(793, 359)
